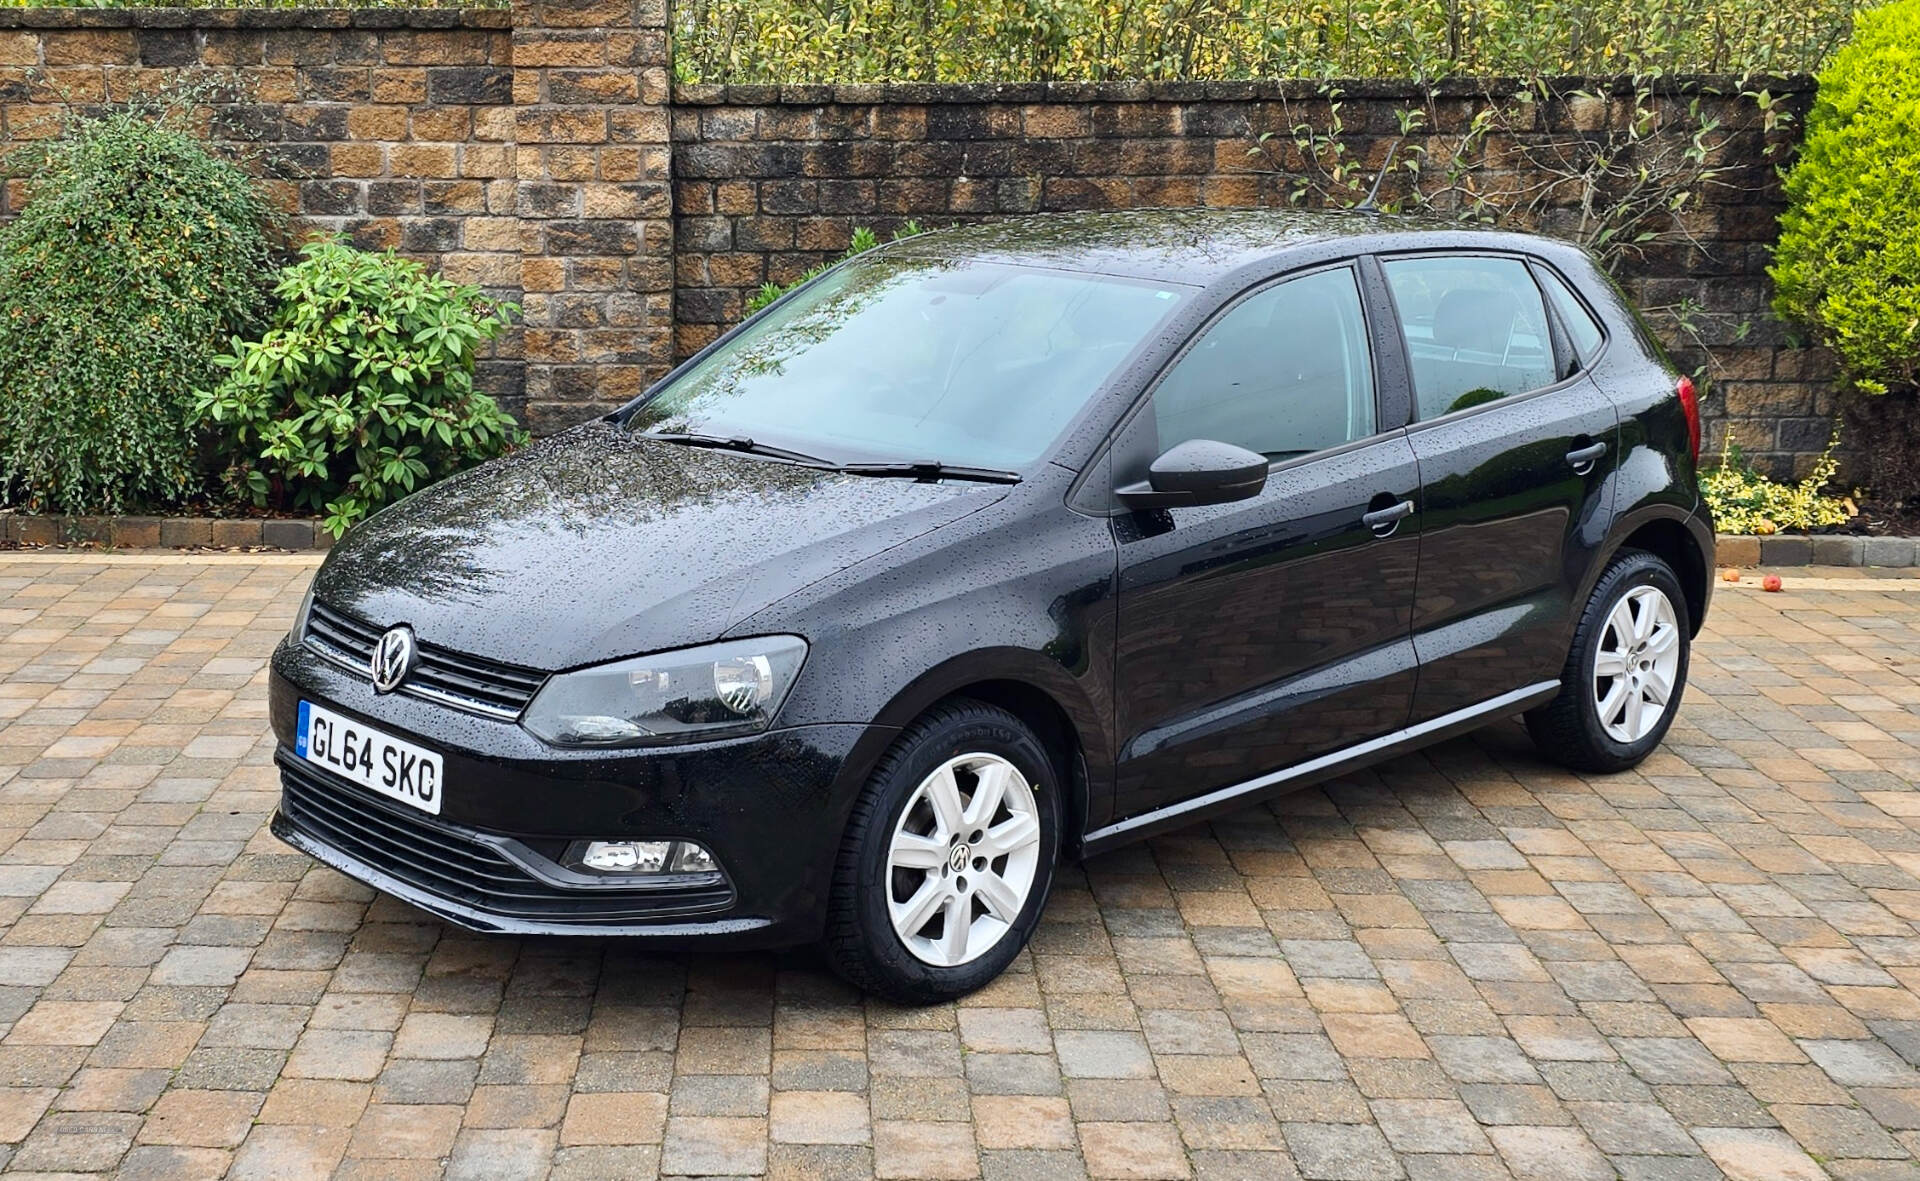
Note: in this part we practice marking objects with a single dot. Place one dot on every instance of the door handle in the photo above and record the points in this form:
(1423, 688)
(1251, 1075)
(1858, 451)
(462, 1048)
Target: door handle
(1583, 458)
(1383, 521)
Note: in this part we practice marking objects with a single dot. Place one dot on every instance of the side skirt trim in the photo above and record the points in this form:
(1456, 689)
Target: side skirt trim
(1315, 769)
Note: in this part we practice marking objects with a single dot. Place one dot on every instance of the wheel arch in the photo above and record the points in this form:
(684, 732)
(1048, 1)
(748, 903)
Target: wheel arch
(1668, 530)
(1669, 539)
(1038, 692)
(1056, 731)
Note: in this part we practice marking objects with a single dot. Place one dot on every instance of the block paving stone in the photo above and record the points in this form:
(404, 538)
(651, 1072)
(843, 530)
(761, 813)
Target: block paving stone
(1463, 963)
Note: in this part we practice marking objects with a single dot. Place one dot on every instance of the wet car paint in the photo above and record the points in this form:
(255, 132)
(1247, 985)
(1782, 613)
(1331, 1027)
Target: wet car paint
(1046, 595)
(599, 541)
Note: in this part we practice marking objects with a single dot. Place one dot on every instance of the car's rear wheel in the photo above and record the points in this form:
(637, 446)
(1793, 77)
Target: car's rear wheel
(948, 857)
(1623, 679)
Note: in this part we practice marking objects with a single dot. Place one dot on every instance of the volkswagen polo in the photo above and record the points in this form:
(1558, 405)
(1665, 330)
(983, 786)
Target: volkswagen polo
(997, 546)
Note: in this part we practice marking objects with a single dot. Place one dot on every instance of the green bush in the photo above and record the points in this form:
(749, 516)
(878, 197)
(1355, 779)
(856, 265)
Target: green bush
(138, 251)
(1744, 501)
(362, 388)
(1848, 262)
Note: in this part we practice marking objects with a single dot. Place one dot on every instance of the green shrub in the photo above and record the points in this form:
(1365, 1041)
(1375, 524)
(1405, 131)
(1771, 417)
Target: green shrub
(1047, 40)
(362, 388)
(1848, 262)
(1744, 501)
(863, 240)
(138, 251)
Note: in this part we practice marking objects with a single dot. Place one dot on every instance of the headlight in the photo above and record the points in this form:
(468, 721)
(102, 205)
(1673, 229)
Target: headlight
(299, 631)
(696, 693)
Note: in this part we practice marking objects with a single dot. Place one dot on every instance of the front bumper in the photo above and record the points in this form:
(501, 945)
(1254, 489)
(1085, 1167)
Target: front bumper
(750, 931)
(771, 807)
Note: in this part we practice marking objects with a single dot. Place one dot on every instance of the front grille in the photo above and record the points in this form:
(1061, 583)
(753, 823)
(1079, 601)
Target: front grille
(464, 682)
(449, 863)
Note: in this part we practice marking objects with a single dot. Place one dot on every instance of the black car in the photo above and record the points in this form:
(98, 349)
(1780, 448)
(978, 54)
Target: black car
(994, 545)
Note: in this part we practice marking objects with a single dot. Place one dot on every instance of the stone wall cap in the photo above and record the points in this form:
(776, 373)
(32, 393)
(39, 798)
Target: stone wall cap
(1241, 90)
(256, 18)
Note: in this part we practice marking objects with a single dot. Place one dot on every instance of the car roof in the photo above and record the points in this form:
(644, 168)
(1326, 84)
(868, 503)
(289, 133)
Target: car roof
(1202, 246)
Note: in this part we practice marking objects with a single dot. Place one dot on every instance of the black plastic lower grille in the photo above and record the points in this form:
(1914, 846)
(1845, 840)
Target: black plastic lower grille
(439, 859)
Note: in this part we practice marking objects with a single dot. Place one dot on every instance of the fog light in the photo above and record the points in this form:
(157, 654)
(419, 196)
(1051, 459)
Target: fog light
(638, 858)
(691, 858)
(626, 856)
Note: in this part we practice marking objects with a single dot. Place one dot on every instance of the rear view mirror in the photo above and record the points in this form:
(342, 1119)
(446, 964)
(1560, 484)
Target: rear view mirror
(1196, 472)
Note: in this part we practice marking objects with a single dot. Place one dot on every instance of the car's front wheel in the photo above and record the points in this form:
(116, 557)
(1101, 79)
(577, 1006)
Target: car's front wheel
(948, 857)
(1623, 679)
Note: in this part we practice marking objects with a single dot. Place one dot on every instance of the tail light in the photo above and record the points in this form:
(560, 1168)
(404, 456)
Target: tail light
(1691, 404)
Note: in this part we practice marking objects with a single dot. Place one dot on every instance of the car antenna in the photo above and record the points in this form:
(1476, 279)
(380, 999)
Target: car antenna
(1367, 205)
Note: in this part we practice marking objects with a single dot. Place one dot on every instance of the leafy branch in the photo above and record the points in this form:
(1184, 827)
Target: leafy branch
(1619, 173)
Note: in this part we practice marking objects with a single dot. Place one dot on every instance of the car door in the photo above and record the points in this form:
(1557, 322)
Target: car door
(1515, 446)
(1257, 634)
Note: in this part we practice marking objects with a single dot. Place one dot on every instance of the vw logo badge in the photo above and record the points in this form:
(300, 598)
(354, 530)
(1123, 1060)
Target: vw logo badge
(392, 658)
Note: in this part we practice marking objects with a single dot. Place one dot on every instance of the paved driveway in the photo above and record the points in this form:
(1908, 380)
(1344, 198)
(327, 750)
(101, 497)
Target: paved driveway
(1466, 963)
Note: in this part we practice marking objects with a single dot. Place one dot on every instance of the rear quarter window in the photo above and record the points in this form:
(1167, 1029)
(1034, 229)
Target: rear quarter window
(1582, 330)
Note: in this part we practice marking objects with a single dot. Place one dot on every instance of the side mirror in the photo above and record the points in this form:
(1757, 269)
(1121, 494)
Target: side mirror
(1196, 472)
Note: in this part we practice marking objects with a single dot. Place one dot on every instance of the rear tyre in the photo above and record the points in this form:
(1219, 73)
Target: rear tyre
(1623, 679)
(948, 857)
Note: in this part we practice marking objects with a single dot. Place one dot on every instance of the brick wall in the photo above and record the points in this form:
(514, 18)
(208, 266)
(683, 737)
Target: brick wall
(590, 88)
(539, 153)
(772, 180)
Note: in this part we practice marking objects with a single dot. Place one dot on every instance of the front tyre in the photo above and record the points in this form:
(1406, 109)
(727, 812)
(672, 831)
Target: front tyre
(1625, 674)
(948, 857)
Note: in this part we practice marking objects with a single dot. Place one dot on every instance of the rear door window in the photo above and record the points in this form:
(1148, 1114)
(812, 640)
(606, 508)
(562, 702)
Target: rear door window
(1475, 327)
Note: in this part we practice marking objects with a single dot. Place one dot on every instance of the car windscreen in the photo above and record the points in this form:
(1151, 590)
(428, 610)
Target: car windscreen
(904, 358)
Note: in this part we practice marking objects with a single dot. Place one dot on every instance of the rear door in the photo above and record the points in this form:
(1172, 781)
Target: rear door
(1258, 634)
(1516, 449)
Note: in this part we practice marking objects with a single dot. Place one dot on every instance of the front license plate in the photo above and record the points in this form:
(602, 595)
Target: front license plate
(378, 762)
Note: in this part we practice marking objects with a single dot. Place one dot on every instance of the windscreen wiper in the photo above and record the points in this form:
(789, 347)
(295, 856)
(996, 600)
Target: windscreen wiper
(932, 469)
(916, 470)
(736, 443)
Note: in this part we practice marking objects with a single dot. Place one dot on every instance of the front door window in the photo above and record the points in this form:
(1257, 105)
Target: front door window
(1285, 372)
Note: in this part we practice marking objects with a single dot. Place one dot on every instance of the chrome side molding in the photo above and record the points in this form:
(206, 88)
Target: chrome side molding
(1322, 767)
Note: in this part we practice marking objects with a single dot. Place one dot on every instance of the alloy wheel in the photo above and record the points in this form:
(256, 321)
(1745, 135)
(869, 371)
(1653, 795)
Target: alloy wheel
(963, 859)
(1636, 664)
